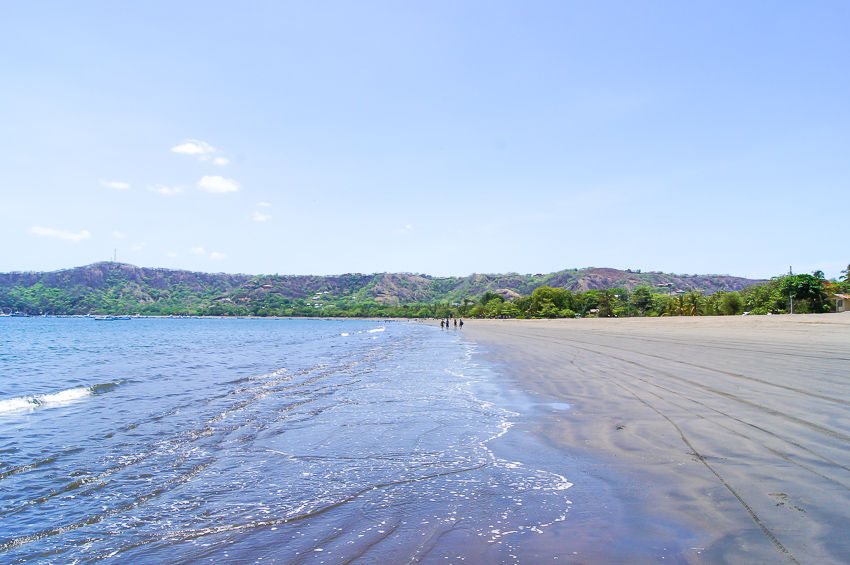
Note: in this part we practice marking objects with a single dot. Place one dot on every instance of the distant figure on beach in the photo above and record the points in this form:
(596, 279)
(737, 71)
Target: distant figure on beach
(455, 320)
(461, 323)
(442, 326)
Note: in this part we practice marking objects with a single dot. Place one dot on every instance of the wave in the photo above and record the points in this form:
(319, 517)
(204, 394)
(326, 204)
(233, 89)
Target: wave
(381, 329)
(62, 397)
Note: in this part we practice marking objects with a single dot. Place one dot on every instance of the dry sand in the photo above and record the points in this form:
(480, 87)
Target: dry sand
(692, 440)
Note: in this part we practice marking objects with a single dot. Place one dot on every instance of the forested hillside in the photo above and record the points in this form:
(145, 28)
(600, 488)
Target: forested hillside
(116, 288)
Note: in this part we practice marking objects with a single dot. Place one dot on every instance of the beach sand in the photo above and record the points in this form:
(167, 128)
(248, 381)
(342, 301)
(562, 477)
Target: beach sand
(689, 440)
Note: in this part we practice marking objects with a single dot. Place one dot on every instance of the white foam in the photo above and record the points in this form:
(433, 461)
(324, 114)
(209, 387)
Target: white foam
(20, 403)
(66, 395)
(35, 401)
(364, 331)
(277, 373)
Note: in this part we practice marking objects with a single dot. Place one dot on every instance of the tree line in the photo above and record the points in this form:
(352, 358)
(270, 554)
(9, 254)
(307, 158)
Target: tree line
(806, 293)
(803, 292)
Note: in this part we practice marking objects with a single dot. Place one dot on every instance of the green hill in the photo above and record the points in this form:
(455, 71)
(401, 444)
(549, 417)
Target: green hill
(117, 288)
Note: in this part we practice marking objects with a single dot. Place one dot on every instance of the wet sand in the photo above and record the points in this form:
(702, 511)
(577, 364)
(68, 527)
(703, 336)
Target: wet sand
(692, 440)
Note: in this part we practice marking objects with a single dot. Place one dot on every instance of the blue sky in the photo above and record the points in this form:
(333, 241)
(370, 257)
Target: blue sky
(441, 137)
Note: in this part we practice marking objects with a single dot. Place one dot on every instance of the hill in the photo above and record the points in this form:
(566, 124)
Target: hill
(118, 288)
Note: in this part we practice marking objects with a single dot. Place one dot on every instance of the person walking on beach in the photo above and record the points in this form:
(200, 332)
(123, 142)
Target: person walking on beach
(441, 324)
(455, 323)
(461, 323)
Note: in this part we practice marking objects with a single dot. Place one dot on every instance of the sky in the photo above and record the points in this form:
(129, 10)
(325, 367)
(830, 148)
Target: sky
(445, 138)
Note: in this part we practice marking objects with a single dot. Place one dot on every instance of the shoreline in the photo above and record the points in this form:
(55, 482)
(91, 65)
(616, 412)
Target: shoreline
(695, 440)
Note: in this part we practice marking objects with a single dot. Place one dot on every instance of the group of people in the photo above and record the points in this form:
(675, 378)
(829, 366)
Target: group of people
(444, 324)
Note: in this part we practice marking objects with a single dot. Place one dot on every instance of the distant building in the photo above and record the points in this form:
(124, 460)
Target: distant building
(840, 302)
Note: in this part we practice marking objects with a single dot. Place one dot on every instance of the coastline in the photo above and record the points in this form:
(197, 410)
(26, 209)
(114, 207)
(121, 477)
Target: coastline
(695, 440)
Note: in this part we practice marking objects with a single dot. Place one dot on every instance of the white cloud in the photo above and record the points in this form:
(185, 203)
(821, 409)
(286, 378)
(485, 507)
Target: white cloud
(119, 235)
(258, 217)
(166, 191)
(197, 251)
(171, 254)
(194, 147)
(217, 185)
(138, 246)
(217, 256)
(61, 234)
(117, 185)
(221, 160)
(264, 205)
(405, 229)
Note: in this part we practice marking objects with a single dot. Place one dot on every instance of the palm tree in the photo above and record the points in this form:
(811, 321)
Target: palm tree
(693, 306)
(675, 306)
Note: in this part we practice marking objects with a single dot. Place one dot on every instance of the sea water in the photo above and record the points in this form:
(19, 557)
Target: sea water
(257, 441)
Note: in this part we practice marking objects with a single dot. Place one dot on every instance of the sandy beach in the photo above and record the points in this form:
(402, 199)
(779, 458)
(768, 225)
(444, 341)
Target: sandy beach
(690, 440)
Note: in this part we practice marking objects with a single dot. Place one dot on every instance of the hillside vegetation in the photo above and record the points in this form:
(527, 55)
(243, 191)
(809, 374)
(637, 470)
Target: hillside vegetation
(116, 288)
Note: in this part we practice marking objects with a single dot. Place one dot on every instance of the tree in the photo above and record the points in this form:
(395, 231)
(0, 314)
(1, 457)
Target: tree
(587, 300)
(846, 278)
(523, 304)
(494, 306)
(490, 296)
(642, 299)
(605, 303)
(547, 301)
(764, 298)
(693, 304)
(509, 310)
(675, 306)
(731, 304)
(478, 311)
(807, 289)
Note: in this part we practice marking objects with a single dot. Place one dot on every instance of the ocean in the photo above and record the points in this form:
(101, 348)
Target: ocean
(260, 441)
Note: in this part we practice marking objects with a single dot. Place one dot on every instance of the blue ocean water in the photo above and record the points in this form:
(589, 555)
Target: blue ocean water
(257, 441)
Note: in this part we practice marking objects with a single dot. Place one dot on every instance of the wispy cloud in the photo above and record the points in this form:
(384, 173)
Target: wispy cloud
(194, 147)
(197, 251)
(405, 229)
(61, 234)
(119, 235)
(165, 190)
(264, 205)
(138, 246)
(258, 217)
(221, 161)
(217, 185)
(215, 256)
(171, 255)
(117, 185)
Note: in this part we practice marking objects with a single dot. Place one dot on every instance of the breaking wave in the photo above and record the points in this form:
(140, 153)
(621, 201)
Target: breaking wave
(381, 329)
(66, 396)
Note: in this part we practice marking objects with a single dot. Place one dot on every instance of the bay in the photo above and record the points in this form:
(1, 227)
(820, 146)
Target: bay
(257, 441)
